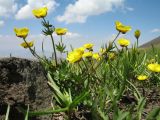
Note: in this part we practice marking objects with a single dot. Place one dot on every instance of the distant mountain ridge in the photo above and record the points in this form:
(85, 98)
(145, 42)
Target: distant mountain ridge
(155, 42)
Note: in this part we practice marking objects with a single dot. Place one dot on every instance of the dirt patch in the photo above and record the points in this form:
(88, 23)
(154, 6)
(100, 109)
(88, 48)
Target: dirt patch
(22, 82)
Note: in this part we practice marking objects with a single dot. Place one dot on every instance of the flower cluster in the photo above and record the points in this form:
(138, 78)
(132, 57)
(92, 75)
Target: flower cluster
(75, 55)
(86, 51)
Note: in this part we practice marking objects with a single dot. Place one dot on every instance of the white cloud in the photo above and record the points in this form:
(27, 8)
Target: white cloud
(156, 30)
(129, 8)
(11, 44)
(7, 7)
(26, 11)
(72, 35)
(1, 23)
(68, 35)
(82, 9)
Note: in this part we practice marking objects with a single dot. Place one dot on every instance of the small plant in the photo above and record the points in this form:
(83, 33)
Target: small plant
(100, 82)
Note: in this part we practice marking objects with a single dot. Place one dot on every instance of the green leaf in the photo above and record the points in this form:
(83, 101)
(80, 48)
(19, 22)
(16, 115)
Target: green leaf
(61, 47)
(63, 98)
(102, 115)
(154, 114)
(42, 112)
(141, 104)
(26, 116)
(78, 99)
(122, 115)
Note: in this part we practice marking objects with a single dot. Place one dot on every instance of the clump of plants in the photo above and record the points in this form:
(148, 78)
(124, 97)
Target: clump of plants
(107, 85)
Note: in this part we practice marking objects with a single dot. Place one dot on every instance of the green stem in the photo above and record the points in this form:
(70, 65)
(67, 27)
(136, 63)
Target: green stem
(55, 54)
(115, 40)
(134, 88)
(116, 37)
(85, 65)
(116, 47)
(87, 74)
(80, 66)
(61, 38)
(100, 62)
(53, 44)
(61, 45)
(137, 43)
(94, 70)
(32, 51)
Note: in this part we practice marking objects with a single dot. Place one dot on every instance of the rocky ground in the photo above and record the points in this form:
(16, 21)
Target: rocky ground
(22, 82)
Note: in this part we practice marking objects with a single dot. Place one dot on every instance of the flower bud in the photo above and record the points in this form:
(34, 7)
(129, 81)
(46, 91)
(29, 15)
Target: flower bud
(137, 33)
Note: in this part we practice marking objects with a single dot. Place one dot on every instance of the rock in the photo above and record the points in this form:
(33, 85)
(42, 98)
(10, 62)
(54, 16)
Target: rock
(23, 82)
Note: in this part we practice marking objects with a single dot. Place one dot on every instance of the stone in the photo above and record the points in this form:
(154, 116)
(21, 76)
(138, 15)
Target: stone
(23, 82)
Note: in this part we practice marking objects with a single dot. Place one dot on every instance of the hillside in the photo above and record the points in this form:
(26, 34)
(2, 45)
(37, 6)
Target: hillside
(155, 42)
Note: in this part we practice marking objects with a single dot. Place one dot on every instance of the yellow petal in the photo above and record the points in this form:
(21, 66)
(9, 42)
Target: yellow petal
(96, 56)
(28, 44)
(61, 31)
(87, 54)
(21, 32)
(122, 28)
(142, 77)
(88, 46)
(40, 13)
(123, 42)
(154, 67)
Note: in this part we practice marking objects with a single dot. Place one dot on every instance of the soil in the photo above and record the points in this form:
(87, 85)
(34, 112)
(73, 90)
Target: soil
(23, 82)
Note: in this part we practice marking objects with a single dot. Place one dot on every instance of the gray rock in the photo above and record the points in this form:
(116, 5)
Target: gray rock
(23, 82)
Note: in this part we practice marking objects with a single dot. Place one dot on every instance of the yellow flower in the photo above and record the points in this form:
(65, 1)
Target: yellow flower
(80, 49)
(87, 54)
(28, 44)
(40, 13)
(88, 46)
(61, 31)
(122, 28)
(111, 56)
(21, 32)
(123, 42)
(103, 50)
(96, 56)
(137, 33)
(75, 55)
(154, 67)
(142, 77)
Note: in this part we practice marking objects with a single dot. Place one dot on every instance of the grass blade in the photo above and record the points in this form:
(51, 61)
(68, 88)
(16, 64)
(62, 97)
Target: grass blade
(154, 114)
(26, 116)
(7, 113)
(78, 99)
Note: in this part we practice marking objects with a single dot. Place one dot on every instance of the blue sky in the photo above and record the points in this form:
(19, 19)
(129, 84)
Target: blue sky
(88, 21)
